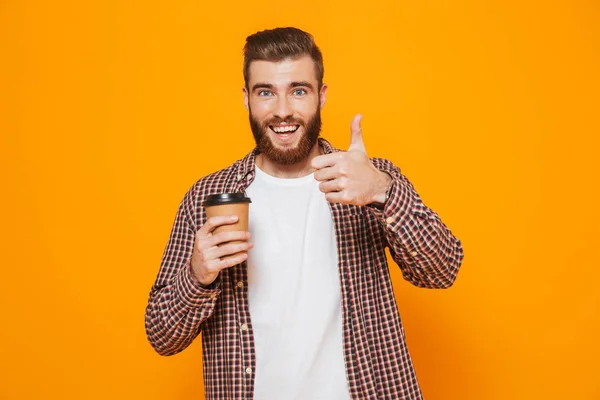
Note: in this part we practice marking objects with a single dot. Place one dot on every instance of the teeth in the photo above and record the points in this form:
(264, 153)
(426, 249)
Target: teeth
(285, 128)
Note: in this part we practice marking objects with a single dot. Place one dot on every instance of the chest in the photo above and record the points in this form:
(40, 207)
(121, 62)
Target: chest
(290, 219)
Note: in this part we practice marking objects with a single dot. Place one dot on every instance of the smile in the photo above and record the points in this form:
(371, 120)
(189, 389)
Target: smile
(284, 128)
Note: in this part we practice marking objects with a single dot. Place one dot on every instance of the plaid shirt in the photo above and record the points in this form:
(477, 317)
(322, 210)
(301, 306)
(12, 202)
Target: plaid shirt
(378, 365)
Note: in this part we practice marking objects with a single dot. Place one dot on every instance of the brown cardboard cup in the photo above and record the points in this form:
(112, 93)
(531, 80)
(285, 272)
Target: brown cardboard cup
(229, 204)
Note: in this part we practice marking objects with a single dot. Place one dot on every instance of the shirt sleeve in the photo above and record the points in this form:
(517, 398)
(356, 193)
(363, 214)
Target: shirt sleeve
(427, 252)
(178, 304)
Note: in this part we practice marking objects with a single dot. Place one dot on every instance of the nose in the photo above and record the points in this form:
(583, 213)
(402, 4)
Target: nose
(283, 108)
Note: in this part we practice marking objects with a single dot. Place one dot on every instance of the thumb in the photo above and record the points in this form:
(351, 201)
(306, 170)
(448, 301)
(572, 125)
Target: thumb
(356, 139)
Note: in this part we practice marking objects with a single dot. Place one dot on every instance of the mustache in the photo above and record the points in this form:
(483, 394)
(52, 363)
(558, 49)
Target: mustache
(277, 121)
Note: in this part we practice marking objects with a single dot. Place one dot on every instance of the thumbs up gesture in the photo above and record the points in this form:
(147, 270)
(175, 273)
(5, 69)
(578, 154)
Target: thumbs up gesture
(349, 177)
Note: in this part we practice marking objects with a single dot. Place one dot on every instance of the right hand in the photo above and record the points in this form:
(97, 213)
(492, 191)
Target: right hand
(209, 250)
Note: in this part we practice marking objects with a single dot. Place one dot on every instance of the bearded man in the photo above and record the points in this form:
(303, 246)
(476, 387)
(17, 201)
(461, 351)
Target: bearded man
(300, 306)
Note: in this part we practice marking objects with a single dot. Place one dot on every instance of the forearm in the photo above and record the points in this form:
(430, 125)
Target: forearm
(176, 311)
(178, 304)
(425, 249)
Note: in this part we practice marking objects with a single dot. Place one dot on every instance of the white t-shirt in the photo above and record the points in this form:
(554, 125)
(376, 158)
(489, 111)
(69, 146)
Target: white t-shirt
(294, 292)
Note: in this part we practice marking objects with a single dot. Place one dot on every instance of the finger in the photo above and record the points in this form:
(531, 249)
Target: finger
(230, 249)
(334, 185)
(326, 160)
(224, 237)
(231, 261)
(338, 197)
(327, 173)
(214, 222)
(211, 257)
(356, 138)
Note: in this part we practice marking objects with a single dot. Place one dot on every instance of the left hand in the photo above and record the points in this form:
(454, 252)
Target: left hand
(349, 177)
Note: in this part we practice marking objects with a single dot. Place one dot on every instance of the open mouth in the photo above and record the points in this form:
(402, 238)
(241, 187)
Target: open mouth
(284, 130)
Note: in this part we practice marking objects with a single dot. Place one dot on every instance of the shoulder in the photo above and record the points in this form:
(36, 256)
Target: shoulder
(217, 182)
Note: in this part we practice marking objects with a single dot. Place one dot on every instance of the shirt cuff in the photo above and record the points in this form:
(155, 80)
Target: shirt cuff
(401, 200)
(400, 203)
(191, 292)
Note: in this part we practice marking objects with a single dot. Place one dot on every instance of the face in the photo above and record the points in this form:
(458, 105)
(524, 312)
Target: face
(284, 104)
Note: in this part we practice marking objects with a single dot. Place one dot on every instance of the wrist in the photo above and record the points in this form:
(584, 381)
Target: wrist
(204, 282)
(384, 186)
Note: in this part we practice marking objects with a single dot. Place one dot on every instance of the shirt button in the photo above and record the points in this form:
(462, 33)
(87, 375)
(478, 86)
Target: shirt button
(244, 327)
(213, 296)
(389, 220)
(248, 370)
(413, 253)
(240, 284)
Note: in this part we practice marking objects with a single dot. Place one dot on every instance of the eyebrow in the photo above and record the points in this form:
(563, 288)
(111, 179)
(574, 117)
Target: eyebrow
(292, 85)
(262, 86)
(301, 83)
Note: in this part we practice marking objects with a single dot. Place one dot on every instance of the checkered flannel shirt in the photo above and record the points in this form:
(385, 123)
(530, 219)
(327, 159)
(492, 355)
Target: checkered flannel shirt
(378, 365)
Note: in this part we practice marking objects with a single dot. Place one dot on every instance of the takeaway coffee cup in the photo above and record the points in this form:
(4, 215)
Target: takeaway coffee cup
(228, 204)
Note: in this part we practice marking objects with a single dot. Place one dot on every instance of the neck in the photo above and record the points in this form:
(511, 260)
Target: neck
(297, 170)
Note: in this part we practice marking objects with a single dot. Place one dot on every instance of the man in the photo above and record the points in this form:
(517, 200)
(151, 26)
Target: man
(304, 308)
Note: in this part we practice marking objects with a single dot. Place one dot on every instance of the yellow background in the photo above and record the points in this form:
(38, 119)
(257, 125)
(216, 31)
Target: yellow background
(111, 110)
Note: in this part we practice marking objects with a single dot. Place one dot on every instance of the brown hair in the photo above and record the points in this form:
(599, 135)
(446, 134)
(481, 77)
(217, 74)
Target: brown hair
(279, 44)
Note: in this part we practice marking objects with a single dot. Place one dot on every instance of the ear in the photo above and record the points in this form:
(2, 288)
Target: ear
(323, 95)
(245, 91)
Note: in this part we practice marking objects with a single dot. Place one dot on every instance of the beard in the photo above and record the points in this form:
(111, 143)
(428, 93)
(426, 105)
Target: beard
(290, 156)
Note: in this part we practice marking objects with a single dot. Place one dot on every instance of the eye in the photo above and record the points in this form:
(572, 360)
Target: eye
(264, 93)
(299, 92)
